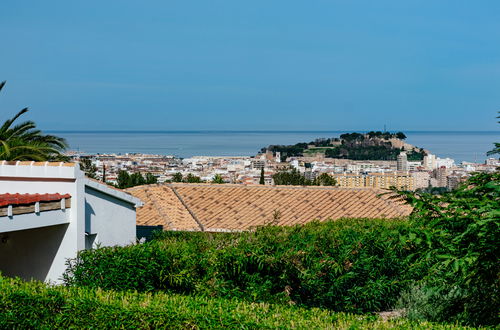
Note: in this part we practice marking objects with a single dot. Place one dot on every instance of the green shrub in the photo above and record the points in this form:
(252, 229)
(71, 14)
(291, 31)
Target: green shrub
(458, 235)
(424, 302)
(33, 305)
(347, 265)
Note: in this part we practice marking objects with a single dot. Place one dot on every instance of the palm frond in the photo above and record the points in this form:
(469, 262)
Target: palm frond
(9, 122)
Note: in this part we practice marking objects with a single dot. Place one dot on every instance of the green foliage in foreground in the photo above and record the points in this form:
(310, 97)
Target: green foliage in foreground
(346, 265)
(442, 264)
(457, 236)
(35, 305)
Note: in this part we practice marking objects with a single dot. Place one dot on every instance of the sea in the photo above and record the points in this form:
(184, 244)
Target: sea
(469, 146)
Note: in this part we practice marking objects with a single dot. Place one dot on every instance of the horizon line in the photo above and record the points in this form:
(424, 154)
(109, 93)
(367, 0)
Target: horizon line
(266, 131)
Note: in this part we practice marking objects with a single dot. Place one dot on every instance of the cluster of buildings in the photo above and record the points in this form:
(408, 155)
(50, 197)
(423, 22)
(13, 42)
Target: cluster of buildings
(403, 174)
(50, 211)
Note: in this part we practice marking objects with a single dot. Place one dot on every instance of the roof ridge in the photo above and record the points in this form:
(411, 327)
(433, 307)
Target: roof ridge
(187, 208)
(160, 210)
(255, 186)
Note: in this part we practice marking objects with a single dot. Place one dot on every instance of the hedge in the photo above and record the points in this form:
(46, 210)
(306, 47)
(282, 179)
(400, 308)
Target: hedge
(31, 305)
(347, 265)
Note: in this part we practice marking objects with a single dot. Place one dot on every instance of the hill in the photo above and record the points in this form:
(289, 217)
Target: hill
(356, 146)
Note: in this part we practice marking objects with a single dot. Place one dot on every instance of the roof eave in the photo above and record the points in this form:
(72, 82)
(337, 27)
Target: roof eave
(113, 192)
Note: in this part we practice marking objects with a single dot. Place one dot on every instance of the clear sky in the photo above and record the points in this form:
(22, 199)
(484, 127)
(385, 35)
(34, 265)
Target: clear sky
(252, 65)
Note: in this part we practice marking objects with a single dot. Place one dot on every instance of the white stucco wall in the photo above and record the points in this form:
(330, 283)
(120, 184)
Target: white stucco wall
(109, 213)
(33, 253)
(110, 219)
(52, 179)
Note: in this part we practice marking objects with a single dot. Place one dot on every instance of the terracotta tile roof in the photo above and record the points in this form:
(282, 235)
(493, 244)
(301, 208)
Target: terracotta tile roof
(162, 207)
(22, 199)
(238, 207)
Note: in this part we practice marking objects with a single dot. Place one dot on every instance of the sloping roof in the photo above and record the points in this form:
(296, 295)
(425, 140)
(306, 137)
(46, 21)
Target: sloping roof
(22, 199)
(162, 207)
(228, 207)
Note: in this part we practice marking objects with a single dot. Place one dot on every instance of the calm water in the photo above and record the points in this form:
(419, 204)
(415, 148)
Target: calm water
(461, 146)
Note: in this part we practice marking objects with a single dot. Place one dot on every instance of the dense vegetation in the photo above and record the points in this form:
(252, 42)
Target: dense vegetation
(36, 305)
(372, 134)
(125, 180)
(24, 141)
(457, 236)
(348, 265)
(293, 177)
(356, 146)
(370, 152)
(190, 178)
(440, 265)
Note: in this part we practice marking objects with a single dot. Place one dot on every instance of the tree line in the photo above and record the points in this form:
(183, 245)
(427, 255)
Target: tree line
(293, 177)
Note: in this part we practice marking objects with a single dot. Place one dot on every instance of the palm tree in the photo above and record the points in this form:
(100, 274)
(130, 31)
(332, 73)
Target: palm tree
(24, 142)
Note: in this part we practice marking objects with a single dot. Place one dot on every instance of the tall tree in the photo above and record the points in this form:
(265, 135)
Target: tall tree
(290, 176)
(136, 179)
(151, 179)
(24, 142)
(190, 178)
(262, 181)
(177, 177)
(123, 179)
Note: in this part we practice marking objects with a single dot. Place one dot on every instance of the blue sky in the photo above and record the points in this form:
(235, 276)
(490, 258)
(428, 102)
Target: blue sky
(252, 65)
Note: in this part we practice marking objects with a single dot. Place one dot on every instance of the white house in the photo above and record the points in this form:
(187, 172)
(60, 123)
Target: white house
(50, 211)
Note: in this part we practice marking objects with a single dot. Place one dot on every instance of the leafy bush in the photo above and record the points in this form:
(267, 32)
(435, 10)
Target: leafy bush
(25, 305)
(442, 263)
(346, 265)
(459, 242)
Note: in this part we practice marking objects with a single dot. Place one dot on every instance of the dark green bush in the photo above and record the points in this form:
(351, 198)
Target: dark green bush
(458, 235)
(33, 305)
(347, 265)
(443, 262)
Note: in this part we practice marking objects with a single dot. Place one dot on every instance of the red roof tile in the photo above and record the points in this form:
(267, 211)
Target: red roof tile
(18, 199)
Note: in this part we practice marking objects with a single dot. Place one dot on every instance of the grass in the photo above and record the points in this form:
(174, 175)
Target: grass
(37, 305)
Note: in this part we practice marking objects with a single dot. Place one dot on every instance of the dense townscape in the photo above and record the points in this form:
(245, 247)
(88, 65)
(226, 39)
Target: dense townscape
(429, 172)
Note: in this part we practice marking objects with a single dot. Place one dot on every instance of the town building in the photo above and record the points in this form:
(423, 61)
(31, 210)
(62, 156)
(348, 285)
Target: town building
(421, 179)
(50, 211)
(384, 180)
(440, 175)
(402, 162)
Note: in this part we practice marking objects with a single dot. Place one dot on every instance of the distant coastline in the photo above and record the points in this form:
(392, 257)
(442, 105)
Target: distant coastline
(468, 146)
